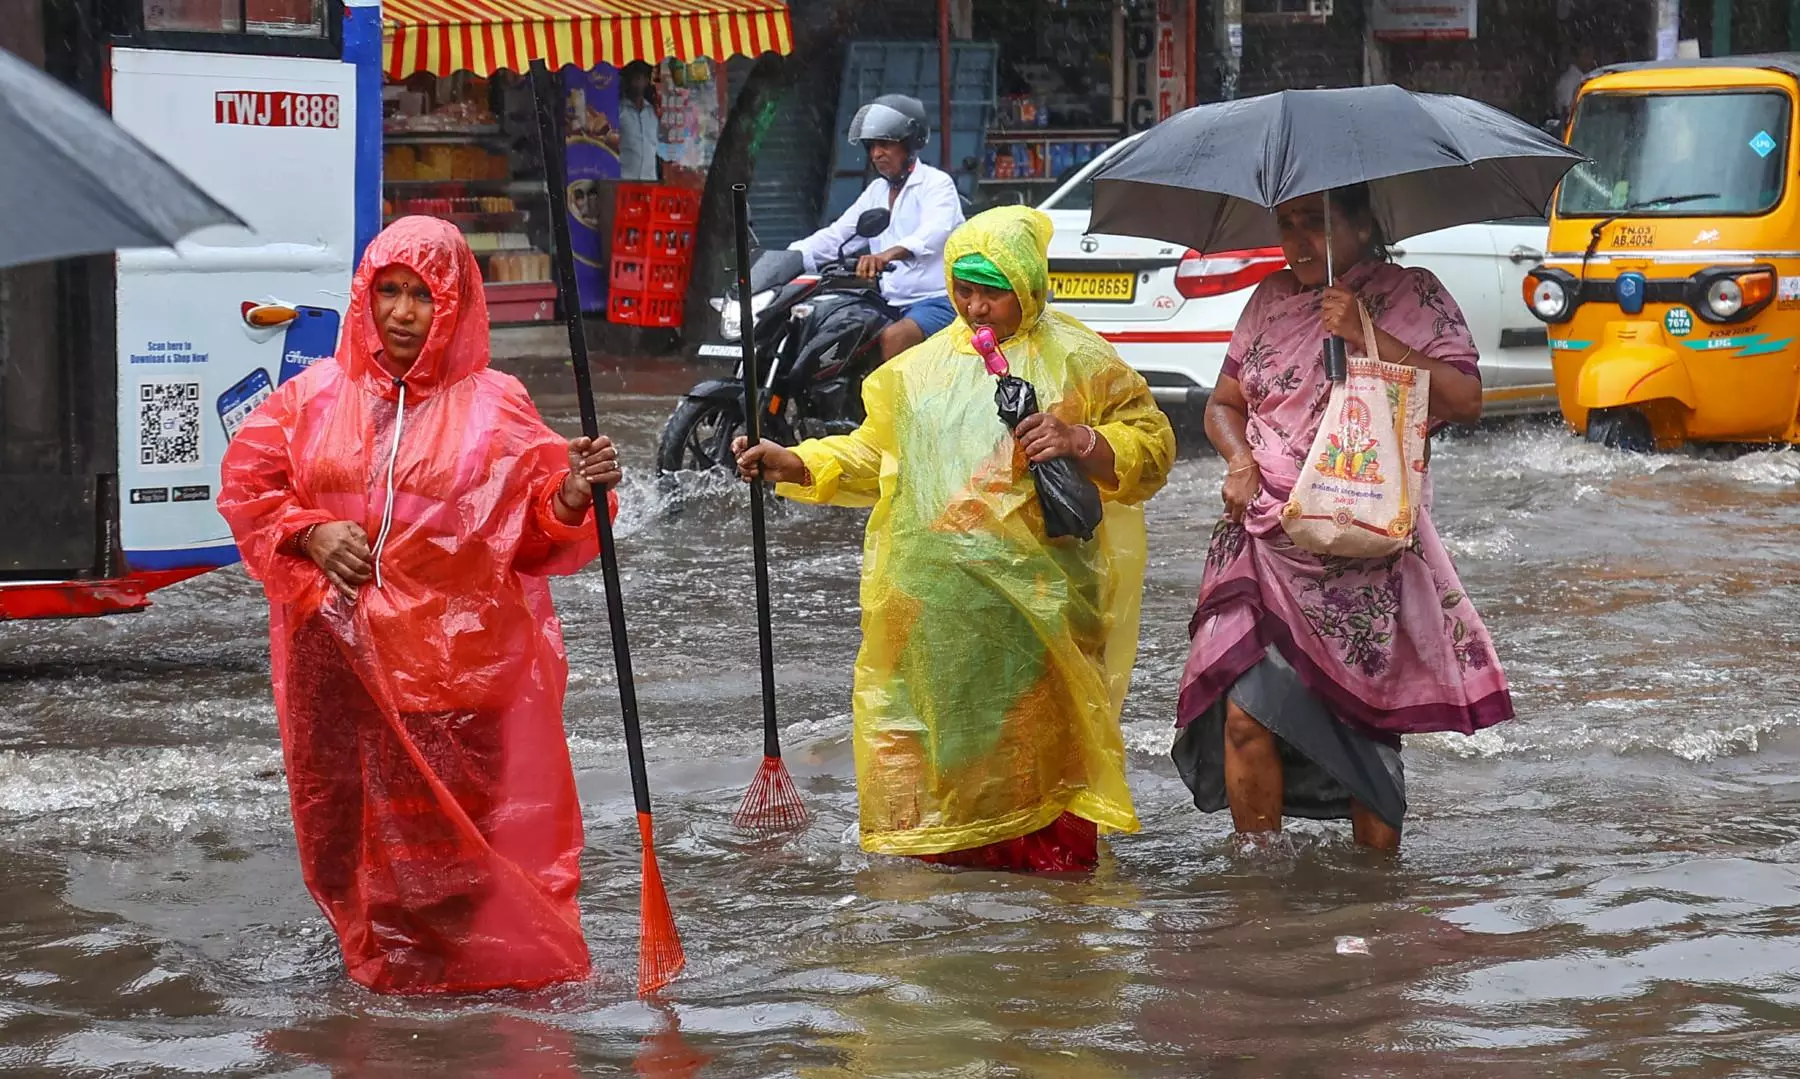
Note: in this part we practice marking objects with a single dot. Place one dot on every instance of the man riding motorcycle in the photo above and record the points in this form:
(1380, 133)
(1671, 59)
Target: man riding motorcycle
(925, 208)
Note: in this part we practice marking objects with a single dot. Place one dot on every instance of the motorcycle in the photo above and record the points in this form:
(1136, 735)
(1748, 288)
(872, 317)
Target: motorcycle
(815, 337)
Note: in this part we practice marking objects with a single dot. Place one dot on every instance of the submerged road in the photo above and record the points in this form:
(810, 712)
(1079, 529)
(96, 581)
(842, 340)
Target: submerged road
(1607, 886)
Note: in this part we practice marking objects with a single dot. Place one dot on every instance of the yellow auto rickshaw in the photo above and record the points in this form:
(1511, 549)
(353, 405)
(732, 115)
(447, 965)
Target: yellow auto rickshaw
(1672, 287)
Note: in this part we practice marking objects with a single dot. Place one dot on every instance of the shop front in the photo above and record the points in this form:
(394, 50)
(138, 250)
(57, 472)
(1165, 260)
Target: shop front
(644, 96)
(1073, 78)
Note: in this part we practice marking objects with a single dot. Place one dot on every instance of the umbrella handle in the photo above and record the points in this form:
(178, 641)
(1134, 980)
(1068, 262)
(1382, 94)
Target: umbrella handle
(1337, 360)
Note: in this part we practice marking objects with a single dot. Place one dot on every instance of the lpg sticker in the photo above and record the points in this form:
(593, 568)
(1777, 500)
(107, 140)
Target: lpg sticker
(1763, 143)
(1679, 322)
(1788, 289)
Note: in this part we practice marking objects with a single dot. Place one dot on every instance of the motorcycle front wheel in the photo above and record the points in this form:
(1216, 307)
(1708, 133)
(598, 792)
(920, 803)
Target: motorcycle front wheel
(698, 436)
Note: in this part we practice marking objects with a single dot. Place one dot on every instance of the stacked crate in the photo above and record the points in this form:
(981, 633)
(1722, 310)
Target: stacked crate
(652, 254)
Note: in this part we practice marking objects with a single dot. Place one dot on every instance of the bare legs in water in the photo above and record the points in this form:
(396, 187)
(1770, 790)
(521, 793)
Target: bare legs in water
(1253, 785)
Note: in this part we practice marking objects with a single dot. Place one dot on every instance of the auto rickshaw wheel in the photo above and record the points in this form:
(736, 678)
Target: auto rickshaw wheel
(1620, 429)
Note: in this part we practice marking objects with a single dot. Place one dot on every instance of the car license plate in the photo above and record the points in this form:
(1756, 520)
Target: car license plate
(722, 352)
(1093, 287)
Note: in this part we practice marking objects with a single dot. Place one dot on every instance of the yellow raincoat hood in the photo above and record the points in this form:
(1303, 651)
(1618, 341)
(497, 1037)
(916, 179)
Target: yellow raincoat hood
(1017, 240)
(995, 660)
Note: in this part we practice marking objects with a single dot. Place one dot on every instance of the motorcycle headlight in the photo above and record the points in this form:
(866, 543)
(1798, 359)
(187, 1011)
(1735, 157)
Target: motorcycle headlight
(1547, 297)
(731, 322)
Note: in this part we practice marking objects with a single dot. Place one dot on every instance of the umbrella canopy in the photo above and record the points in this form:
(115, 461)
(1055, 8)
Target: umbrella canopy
(1208, 177)
(77, 184)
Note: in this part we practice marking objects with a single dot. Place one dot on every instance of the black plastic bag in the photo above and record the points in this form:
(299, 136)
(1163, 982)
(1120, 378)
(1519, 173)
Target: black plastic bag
(1070, 501)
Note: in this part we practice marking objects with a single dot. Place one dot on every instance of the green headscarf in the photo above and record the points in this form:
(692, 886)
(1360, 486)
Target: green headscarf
(978, 269)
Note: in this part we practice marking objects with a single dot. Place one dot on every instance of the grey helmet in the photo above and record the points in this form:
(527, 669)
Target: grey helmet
(892, 118)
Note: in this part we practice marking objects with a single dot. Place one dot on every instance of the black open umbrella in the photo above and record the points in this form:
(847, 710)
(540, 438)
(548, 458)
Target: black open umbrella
(1208, 177)
(77, 184)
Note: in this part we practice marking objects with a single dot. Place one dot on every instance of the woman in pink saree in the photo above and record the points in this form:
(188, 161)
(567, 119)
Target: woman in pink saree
(1305, 670)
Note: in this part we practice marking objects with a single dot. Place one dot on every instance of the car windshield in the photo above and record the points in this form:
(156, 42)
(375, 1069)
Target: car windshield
(1078, 195)
(1683, 154)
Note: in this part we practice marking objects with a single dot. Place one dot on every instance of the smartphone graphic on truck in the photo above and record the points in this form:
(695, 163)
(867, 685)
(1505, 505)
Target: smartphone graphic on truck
(236, 404)
(311, 337)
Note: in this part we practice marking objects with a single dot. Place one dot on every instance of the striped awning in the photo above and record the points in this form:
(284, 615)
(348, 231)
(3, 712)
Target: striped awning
(485, 36)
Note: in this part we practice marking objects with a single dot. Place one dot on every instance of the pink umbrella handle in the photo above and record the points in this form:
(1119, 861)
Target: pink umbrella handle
(989, 349)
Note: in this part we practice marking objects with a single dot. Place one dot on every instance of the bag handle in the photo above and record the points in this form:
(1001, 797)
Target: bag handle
(1370, 352)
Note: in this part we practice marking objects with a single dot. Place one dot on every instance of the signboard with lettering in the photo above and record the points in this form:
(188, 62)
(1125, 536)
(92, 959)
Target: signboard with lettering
(1171, 72)
(265, 108)
(1422, 20)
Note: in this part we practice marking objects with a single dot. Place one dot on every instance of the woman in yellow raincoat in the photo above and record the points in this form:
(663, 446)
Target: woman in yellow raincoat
(995, 660)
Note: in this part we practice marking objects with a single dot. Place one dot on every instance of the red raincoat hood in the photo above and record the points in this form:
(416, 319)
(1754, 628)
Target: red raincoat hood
(457, 344)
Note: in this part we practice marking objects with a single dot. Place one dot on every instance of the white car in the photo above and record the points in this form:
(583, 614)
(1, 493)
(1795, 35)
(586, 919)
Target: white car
(1170, 311)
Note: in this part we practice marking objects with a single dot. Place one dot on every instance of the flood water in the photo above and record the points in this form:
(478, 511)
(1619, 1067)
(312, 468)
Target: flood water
(1608, 886)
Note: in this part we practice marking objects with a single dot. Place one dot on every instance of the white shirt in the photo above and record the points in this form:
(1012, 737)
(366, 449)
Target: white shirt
(926, 213)
(637, 142)
(1567, 87)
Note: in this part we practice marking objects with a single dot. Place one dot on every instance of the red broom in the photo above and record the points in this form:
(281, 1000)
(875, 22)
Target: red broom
(660, 957)
(772, 804)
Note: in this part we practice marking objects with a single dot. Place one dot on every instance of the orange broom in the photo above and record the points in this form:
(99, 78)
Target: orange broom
(772, 804)
(660, 957)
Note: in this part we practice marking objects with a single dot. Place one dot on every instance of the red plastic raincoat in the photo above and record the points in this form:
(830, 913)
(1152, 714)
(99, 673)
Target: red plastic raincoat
(433, 799)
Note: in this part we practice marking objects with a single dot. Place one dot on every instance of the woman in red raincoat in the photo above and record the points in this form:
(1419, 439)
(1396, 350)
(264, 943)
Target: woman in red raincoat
(403, 506)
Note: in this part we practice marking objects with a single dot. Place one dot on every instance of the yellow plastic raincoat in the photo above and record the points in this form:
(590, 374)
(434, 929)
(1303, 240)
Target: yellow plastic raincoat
(994, 660)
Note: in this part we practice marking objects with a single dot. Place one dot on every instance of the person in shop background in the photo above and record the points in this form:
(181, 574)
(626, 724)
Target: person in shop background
(1581, 62)
(994, 659)
(639, 127)
(908, 259)
(404, 507)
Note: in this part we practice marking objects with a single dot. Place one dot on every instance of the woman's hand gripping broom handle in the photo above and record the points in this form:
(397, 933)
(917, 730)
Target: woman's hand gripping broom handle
(660, 957)
(772, 804)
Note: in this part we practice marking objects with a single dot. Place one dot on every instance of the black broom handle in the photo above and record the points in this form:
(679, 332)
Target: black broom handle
(765, 623)
(549, 137)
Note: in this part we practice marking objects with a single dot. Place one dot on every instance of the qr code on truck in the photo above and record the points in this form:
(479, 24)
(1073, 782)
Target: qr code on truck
(168, 423)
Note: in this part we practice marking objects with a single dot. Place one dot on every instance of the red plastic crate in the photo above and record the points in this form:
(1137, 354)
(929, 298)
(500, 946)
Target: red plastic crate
(634, 202)
(671, 242)
(631, 240)
(675, 206)
(624, 308)
(661, 311)
(643, 309)
(668, 277)
(628, 274)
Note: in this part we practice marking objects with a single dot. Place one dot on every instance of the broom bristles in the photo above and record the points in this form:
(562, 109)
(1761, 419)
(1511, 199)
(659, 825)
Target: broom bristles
(772, 804)
(660, 957)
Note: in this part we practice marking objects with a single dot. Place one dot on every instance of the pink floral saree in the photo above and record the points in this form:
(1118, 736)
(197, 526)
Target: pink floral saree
(1389, 646)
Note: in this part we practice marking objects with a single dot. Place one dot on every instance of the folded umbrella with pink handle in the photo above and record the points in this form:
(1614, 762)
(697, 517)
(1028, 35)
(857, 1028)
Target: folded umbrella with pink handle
(1070, 501)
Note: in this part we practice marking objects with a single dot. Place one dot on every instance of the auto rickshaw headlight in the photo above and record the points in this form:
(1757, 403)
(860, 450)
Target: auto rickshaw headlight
(1724, 298)
(1729, 294)
(1547, 297)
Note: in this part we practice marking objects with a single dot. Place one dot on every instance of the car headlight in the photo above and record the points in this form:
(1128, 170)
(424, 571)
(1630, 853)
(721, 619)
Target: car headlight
(1547, 297)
